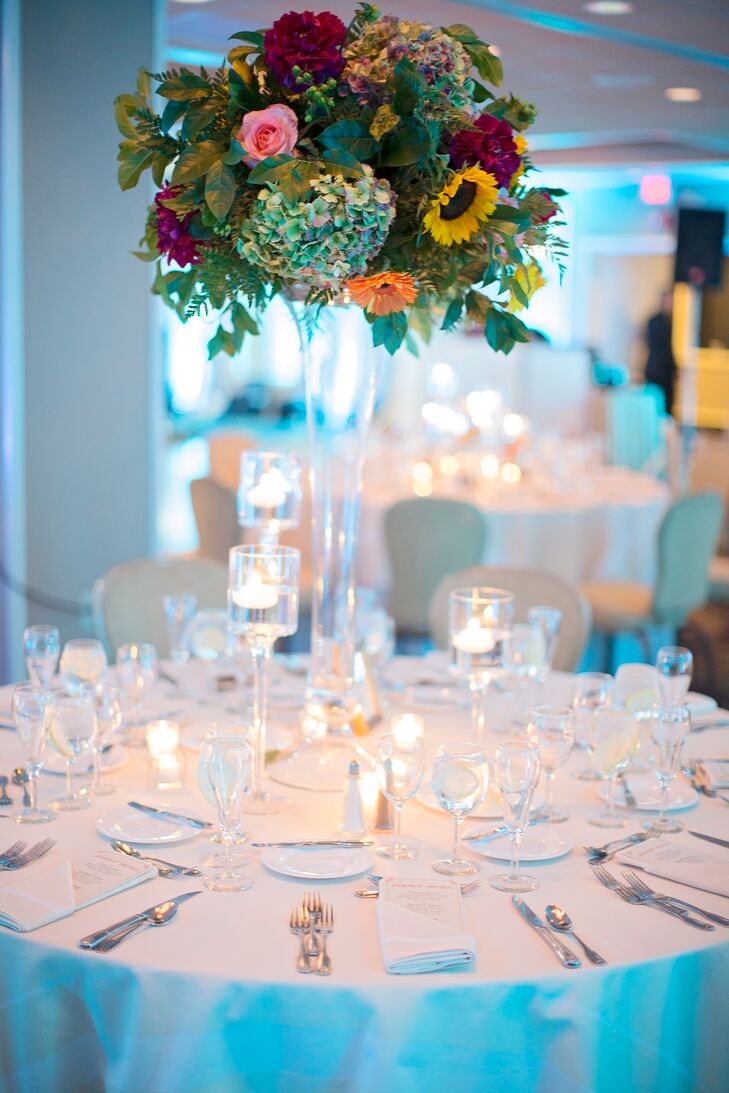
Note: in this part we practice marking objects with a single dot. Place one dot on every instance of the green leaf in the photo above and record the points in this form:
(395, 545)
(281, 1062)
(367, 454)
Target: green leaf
(390, 331)
(124, 105)
(462, 34)
(254, 37)
(407, 85)
(219, 189)
(516, 290)
(243, 322)
(409, 144)
(266, 170)
(197, 118)
(480, 92)
(185, 87)
(509, 214)
(343, 163)
(493, 329)
(144, 86)
(172, 112)
(515, 328)
(486, 63)
(159, 166)
(133, 161)
(350, 136)
(291, 176)
(234, 154)
(383, 122)
(221, 342)
(196, 161)
(453, 314)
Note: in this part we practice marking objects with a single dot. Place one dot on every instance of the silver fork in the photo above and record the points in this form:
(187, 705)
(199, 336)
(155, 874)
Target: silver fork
(300, 925)
(629, 895)
(38, 851)
(640, 885)
(312, 905)
(12, 853)
(325, 925)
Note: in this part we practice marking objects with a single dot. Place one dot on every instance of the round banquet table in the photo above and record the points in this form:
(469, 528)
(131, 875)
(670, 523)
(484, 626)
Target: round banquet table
(599, 527)
(212, 1003)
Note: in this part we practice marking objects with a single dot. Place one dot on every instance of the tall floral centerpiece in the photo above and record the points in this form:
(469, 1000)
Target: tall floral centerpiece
(371, 174)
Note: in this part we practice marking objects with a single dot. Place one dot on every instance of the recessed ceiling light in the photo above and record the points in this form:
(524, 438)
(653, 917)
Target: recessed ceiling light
(683, 94)
(608, 7)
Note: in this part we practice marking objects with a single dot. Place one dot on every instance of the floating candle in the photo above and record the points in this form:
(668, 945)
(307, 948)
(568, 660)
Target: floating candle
(162, 737)
(255, 595)
(407, 728)
(270, 490)
(474, 638)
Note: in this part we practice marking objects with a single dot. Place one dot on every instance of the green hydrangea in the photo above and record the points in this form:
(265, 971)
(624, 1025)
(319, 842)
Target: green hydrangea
(324, 240)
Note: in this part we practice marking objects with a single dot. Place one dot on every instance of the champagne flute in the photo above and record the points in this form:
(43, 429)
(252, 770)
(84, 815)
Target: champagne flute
(41, 645)
(548, 619)
(400, 770)
(479, 624)
(30, 713)
(552, 729)
(263, 604)
(615, 740)
(72, 730)
(592, 691)
(215, 730)
(460, 781)
(516, 769)
(669, 728)
(674, 665)
(179, 609)
(136, 669)
(229, 761)
(83, 660)
(109, 718)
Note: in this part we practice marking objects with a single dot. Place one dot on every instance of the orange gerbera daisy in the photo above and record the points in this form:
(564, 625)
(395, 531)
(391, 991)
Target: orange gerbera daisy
(383, 293)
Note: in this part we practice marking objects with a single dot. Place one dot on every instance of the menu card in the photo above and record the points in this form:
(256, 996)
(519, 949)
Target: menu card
(717, 773)
(33, 899)
(677, 859)
(439, 900)
(421, 927)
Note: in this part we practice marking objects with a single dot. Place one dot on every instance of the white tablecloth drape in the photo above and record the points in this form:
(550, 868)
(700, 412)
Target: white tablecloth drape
(212, 1002)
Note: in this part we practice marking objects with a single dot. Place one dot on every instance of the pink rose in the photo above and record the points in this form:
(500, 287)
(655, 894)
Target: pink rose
(270, 132)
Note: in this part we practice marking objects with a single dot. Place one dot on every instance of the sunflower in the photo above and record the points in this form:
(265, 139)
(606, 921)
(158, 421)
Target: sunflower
(521, 147)
(530, 279)
(469, 198)
(383, 293)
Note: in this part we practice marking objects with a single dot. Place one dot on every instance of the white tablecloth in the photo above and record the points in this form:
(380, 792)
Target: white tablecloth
(212, 1003)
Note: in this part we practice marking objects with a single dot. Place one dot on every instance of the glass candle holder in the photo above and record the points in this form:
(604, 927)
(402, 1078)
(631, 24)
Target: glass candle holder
(269, 496)
(163, 737)
(479, 624)
(406, 728)
(167, 770)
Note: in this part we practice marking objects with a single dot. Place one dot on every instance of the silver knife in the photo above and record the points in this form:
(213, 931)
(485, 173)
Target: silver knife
(629, 795)
(565, 956)
(165, 815)
(345, 843)
(495, 832)
(92, 940)
(710, 838)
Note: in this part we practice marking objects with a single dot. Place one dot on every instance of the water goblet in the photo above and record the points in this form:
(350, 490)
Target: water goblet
(41, 645)
(136, 669)
(263, 605)
(592, 691)
(548, 619)
(179, 609)
(516, 770)
(400, 770)
(30, 714)
(238, 837)
(83, 660)
(552, 729)
(460, 781)
(229, 760)
(670, 725)
(479, 625)
(674, 665)
(614, 743)
(72, 729)
(109, 718)
(269, 496)
(528, 652)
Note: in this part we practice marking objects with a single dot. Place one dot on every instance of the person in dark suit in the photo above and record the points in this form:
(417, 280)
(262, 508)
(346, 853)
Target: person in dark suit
(661, 366)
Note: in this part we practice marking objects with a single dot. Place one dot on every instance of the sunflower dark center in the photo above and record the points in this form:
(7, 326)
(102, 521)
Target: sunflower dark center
(460, 202)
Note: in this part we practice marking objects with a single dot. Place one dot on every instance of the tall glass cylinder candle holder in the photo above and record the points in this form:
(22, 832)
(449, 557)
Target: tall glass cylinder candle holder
(479, 626)
(269, 496)
(263, 604)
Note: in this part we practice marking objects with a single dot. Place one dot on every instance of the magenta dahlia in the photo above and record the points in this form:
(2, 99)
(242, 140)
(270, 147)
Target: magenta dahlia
(311, 41)
(173, 234)
(490, 146)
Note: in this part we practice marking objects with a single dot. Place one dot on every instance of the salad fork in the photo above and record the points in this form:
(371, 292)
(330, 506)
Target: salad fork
(640, 886)
(324, 926)
(629, 895)
(300, 925)
(12, 852)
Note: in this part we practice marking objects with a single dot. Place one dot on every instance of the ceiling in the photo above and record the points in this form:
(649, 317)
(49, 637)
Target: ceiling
(598, 80)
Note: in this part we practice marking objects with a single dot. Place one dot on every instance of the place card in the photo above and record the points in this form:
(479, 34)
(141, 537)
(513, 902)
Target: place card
(679, 860)
(420, 926)
(439, 900)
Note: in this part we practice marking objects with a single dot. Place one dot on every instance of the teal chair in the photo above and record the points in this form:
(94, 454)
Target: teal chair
(428, 538)
(686, 541)
(633, 427)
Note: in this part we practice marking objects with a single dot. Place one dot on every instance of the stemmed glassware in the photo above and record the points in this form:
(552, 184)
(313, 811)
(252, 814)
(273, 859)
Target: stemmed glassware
(548, 619)
(400, 770)
(229, 761)
(179, 609)
(269, 497)
(552, 729)
(72, 730)
(263, 603)
(516, 770)
(674, 665)
(109, 718)
(479, 626)
(669, 728)
(238, 837)
(30, 713)
(528, 652)
(83, 660)
(41, 645)
(136, 669)
(614, 743)
(592, 691)
(460, 782)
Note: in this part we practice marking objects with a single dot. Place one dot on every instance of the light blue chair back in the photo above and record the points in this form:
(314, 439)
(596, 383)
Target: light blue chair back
(428, 538)
(633, 427)
(686, 542)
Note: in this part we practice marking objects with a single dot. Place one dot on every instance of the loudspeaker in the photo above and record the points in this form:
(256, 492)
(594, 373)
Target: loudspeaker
(699, 246)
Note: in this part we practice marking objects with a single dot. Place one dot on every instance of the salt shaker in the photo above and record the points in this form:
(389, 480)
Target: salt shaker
(353, 822)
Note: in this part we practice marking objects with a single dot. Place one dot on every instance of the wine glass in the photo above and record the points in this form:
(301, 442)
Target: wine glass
(548, 619)
(674, 665)
(83, 660)
(528, 652)
(460, 781)
(136, 669)
(179, 609)
(400, 770)
(217, 729)
(229, 760)
(72, 729)
(263, 604)
(109, 718)
(552, 729)
(479, 625)
(41, 645)
(269, 496)
(516, 769)
(30, 714)
(670, 725)
(592, 690)
(614, 743)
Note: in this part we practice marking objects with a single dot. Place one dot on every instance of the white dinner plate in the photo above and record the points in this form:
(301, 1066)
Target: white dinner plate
(491, 808)
(700, 704)
(54, 763)
(647, 792)
(537, 845)
(132, 826)
(307, 863)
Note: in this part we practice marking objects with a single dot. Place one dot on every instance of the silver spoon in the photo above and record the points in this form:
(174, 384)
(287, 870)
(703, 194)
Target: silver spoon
(561, 921)
(159, 917)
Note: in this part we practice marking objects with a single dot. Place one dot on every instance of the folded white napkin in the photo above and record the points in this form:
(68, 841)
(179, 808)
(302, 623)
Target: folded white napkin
(678, 860)
(412, 942)
(33, 899)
